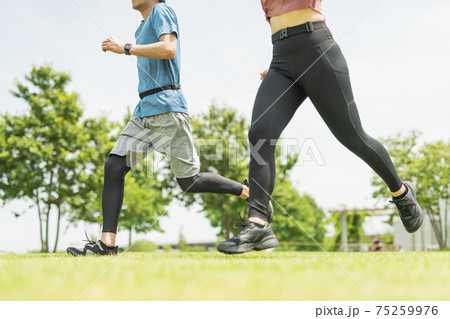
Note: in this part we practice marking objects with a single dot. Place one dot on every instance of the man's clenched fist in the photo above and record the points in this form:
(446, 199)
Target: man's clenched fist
(113, 45)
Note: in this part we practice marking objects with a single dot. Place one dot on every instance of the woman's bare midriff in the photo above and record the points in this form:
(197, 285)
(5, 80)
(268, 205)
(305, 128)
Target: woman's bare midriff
(294, 18)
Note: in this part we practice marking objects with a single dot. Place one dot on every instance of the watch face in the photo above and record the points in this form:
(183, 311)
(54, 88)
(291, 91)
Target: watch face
(127, 48)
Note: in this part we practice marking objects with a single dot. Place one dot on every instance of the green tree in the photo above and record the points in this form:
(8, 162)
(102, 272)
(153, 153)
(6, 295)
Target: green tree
(221, 138)
(48, 155)
(143, 204)
(426, 164)
(221, 144)
(101, 140)
(299, 219)
(147, 193)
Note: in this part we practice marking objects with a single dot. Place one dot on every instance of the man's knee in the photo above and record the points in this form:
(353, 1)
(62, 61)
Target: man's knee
(188, 184)
(116, 167)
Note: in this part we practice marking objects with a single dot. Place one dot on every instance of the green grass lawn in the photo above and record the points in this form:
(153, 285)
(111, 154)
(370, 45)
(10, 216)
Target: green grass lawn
(213, 276)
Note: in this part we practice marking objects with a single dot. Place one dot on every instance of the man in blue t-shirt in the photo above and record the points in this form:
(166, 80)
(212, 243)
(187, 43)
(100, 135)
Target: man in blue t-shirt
(160, 122)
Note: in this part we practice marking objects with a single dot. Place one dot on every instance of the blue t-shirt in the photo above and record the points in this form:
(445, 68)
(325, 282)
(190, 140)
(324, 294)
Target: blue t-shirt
(155, 73)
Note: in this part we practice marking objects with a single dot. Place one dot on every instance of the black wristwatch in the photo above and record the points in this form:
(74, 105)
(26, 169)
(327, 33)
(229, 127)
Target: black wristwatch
(127, 48)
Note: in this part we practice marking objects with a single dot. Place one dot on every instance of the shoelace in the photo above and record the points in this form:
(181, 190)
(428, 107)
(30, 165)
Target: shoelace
(402, 206)
(88, 240)
(243, 223)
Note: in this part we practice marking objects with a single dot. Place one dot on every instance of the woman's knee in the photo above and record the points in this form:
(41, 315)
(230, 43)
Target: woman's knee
(358, 143)
(257, 132)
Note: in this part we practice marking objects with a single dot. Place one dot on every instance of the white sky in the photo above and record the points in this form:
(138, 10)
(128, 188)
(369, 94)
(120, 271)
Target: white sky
(397, 53)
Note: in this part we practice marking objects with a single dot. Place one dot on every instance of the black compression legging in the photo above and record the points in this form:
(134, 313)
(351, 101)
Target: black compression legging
(114, 183)
(307, 65)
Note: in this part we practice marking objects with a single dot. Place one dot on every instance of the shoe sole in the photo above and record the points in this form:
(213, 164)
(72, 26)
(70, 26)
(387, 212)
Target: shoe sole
(420, 220)
(72, 252)
(416, 226)
(267, 243)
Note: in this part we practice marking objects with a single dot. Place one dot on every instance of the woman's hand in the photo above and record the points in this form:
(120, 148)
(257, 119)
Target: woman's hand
(263, 75)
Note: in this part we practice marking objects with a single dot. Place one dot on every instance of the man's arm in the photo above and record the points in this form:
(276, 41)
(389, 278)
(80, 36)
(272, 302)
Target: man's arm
(166, 48)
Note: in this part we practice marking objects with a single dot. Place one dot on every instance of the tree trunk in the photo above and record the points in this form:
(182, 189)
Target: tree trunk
(57, 227)
(344, 236)
(47, 214)
(226, 225)
(445, 223)
(41, 235)
(129, 236)
(47, 223)
(436, 229)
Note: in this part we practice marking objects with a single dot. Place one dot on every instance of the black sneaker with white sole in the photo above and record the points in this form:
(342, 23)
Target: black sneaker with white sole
(270, 207)
(251, 237)
(409, 209)
(93, 248)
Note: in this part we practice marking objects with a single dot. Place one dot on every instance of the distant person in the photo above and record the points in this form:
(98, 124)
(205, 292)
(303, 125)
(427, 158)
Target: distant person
(160, 122)
(377, 244)
(307, 63)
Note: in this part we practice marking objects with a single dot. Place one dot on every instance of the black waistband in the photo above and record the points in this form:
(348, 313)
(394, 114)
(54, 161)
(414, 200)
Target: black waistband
(160, 89)
(306, 27)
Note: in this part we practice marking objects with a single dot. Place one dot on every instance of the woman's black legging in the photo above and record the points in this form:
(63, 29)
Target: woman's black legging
(305, 65)
(114, 184)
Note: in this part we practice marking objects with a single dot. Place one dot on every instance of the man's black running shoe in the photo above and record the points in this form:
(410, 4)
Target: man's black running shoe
(251, 237)
(270, 207)
(93, 248)
(409, 209)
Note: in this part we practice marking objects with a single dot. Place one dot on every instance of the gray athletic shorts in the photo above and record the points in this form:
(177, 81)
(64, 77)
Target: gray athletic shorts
(168, 133)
